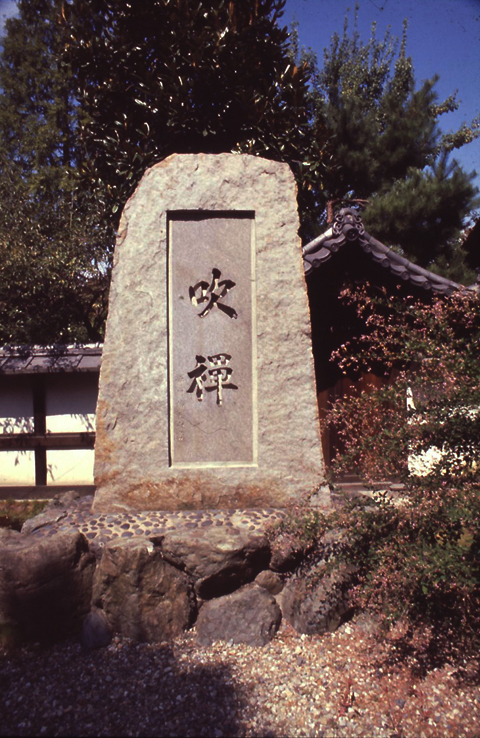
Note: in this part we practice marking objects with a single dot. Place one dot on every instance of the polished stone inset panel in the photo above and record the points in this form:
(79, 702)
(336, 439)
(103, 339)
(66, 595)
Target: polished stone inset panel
(210, 303)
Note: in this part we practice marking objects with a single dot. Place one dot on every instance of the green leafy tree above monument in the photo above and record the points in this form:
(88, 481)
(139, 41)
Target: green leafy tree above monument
(53, 282)
(170, 76)
(38, 118)
(94, 93)
(386, 147)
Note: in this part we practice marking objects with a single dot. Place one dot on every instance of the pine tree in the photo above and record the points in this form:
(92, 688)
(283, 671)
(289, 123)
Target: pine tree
(386, 147)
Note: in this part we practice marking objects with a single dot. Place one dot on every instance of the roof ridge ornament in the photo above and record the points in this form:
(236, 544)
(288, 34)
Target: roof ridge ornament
(347, 226)
(348, 222)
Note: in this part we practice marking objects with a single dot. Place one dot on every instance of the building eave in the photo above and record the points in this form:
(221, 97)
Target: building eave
(348, 227)
(30, 359)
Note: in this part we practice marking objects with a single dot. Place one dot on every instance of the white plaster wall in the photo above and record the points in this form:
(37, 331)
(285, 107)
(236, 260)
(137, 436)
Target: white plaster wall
(70, 407)
(17, 467)
(70, 402)
(70, 466)
(424, 463)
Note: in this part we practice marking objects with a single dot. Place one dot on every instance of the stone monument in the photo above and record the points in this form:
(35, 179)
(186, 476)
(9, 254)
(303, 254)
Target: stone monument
(207, 394)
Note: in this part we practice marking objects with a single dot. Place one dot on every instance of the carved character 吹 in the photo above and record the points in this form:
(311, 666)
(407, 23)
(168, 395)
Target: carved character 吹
(212, 293)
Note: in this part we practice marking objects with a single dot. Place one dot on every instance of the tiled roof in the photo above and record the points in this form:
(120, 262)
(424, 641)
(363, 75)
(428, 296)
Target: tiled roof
(348, 227)
(46, 359)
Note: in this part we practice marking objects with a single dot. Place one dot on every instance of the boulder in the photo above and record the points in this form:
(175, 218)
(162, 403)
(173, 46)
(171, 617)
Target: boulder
(142, 596)
(332, 543)
(45, 584)
(8, 535)
(96, 631)
(289, 551)
(219, 559)
(317, 602)
(250, 615)
(270, 580)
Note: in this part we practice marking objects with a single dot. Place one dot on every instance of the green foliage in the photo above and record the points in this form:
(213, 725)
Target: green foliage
(429, 353)
(37, 115)
(419, 554)
(418, 550)
(418, 558)
(93, 92)
(376, 117)
(53, 281)
(54, 252)
(428, 209)
(171, 76)
(386, 147)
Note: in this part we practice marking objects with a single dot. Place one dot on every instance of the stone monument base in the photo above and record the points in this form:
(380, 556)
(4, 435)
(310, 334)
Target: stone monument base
(198, 491)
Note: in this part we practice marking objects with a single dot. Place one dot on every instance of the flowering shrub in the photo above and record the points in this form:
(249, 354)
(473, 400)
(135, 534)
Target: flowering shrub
(429, 355)
(418, 556)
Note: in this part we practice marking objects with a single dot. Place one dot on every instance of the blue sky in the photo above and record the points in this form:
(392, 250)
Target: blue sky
(7, 8)
(443, 38)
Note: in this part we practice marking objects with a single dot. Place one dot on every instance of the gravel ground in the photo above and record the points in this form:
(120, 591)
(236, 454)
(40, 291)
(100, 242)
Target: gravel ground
(325, 686)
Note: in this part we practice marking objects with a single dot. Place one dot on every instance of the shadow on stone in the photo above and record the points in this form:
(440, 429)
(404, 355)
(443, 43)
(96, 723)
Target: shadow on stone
(45, 586)
(318, 602)
(96, 631)
(141, 595)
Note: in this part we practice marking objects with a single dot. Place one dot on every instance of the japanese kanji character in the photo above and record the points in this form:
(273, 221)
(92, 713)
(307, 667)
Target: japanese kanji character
(218, 373)
(212, 293)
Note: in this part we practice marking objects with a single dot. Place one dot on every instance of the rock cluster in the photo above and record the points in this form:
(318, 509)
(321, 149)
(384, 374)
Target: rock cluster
(231, 584)
(45, 585)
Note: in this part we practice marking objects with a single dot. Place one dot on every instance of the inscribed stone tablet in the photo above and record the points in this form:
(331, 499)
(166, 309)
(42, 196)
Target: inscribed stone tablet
(207, 394)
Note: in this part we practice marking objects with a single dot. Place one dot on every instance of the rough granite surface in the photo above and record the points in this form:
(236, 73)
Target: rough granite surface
(132, 467)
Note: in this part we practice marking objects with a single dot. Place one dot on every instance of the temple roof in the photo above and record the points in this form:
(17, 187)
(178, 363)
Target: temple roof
(348, 227)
